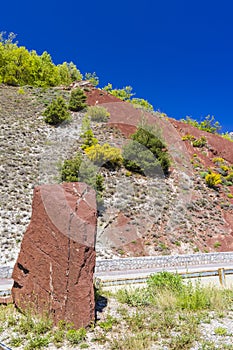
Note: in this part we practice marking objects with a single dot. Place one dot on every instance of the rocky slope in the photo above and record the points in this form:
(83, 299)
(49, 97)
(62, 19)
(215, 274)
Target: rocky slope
(140, 215)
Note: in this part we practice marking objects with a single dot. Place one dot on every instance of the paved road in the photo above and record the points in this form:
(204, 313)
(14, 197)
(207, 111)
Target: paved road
(6, 284)
(106, 275)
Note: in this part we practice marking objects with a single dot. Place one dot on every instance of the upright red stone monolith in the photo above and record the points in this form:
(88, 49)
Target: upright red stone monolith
(55, 266)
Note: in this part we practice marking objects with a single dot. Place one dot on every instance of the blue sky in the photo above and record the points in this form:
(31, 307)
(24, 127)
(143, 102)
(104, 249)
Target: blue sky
(177, 54)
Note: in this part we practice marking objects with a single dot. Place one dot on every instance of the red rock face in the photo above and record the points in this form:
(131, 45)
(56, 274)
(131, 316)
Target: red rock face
(54, 270)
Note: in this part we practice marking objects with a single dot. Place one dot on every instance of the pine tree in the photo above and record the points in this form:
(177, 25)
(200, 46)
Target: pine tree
(57, 112)
(77, 100)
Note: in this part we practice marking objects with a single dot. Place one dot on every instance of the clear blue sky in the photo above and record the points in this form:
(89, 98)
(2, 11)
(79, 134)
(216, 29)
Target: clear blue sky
(178, 54)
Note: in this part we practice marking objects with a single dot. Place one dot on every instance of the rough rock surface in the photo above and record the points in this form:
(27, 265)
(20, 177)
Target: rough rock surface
(54, 269)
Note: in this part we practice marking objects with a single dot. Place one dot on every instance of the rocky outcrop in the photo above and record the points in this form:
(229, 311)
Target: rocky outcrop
(54, 269)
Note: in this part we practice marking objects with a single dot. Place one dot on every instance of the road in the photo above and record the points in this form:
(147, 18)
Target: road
(114, 276)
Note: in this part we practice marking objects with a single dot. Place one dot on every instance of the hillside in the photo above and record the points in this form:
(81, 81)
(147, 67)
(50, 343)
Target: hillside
(140, 215)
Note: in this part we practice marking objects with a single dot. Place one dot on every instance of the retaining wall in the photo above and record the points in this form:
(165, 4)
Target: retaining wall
(144, 262)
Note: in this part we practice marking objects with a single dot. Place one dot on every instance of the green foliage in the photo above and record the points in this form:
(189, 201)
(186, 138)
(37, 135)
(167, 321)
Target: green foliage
(70, 168)
(201, 142)
(203, 174)
(213, 179)
(104, 155)
(135, 297)
(16, 341)
(98, 113)
(58, 337)
(76, 336)
(78, 169)
(18, 66)
(140, 102)
(93, 78)
(229, 177)
(108, 323)
(123, 94)
(220, 331)
(218, 160)
(208, 124)
(137, 158)
(188, 137)
(37, 342)
(146, 153)
(228, 136)
(57, 112)
(88, 139)
(77, 100)
(166, 280)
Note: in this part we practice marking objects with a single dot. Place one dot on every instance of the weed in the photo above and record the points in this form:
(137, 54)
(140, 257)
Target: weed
(37, 342)
(98, 113)
(217, 245)
(16, 341)
(76, 336)
(220, 331)
(108, 323)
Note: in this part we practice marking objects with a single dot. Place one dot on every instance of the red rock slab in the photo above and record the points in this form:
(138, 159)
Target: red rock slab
(54, 270)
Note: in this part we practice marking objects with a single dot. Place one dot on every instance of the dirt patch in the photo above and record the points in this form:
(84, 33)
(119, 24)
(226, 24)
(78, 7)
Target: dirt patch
(97, 96)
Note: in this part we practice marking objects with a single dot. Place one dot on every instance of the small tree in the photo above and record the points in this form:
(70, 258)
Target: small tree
(93, 78)
(57, 112)
(88, 139)
(148, 152)
(77, 100)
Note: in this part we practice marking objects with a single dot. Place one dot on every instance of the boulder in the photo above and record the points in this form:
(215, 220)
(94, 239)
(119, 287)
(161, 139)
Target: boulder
(54, 270)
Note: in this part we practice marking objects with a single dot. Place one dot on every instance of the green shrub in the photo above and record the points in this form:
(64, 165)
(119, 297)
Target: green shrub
(104, 155)
(76, 336)
(165, 280)
(88, 139)
(70, 168)
(37, 342)
(195, 297)
(98, 113)
(229, 177)
(213, 179)
(78, 169)
(16, 341)
(188, 137)
(56, 112)
(134, 297)
(77, 100)
(140, 102)
(146, 153)
(201, 142)
(228, 136)
(218, 160)
(123, 94)
(220, 331)
(108, 323)
(140, 160)
(208, 124)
